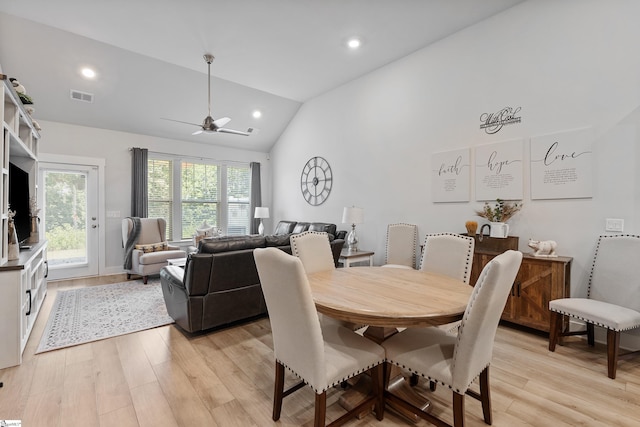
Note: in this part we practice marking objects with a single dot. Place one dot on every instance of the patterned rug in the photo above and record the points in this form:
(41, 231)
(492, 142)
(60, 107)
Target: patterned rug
(94, 313)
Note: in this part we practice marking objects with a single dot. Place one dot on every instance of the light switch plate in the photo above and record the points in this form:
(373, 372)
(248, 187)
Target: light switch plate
(614, 224)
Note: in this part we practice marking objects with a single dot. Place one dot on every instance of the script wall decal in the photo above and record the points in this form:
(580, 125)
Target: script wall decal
(499, 170)
(562, 165)
(450, 176)
(494, 122)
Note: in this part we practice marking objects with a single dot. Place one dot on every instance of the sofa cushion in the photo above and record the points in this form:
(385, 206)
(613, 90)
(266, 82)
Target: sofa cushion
(277, 240)
(300, 227)
(231, 243)
(285, 227)
(323, 227)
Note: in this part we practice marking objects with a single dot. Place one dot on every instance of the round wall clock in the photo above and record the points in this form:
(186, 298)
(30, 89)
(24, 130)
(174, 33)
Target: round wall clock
(316, 181)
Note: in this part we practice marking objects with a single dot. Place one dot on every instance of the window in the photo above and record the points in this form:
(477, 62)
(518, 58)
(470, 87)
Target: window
(160, 191)
(187, 192)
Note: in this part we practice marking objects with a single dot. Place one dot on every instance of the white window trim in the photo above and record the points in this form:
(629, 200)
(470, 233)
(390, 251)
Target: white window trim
(223, 204)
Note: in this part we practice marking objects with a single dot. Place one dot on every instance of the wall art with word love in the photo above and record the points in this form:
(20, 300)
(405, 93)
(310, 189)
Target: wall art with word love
(562, 165)
(499, 170)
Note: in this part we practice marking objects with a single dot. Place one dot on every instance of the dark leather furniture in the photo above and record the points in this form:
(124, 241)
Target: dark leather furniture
(219, 284)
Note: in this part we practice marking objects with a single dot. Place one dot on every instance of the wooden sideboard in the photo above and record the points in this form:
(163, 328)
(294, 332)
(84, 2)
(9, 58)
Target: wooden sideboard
(539, 280)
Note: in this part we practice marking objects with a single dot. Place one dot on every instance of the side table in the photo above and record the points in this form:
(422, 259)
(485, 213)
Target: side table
(348, 257)
(180, 262)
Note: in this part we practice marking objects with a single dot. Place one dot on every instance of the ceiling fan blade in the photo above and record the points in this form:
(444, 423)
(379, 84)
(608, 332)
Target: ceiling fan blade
(235, 132)
(221, 121)
(198, 132)
(180, 121)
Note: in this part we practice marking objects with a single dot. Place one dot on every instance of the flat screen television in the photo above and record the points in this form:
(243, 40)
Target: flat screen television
(19, 201)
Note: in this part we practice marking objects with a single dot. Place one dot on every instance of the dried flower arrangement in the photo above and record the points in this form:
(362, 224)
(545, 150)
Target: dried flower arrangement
(33, 206)
(501, 212)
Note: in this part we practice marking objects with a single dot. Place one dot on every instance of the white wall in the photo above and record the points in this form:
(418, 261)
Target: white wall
(568, 64)
(71, 140)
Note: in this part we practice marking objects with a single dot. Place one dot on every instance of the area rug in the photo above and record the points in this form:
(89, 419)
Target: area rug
(94, 313)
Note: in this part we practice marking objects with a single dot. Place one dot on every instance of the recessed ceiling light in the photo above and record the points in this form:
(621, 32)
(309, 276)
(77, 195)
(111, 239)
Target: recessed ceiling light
(257, 114)
(354, 43)
(88, 73)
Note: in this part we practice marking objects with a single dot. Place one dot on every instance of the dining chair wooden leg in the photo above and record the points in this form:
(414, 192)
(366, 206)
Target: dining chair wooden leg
(278, 391)
(458, 410)
(377, 377)
(591, 335)
(320, 410)
(554, 329)
(613, 345)
(485, 396)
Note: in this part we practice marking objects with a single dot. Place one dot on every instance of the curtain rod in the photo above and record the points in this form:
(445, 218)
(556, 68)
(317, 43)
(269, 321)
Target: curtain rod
(196, 158)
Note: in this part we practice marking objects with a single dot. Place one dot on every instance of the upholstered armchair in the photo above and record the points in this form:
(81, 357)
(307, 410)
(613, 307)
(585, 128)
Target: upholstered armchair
(146, 247)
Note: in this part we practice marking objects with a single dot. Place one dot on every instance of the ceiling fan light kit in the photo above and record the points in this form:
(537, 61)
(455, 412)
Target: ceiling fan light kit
(209, 124)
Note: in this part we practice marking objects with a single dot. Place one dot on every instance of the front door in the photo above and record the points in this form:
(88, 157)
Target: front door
(70, 213)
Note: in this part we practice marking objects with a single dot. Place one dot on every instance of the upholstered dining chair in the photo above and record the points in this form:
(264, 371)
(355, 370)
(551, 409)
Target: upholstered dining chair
(146, 247)
(321, 356)
(449, 254)
(455, 361)
(613, 297)
(314, 250)
(401, 245)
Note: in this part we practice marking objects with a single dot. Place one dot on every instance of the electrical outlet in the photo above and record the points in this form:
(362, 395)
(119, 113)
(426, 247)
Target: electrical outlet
(614, 224)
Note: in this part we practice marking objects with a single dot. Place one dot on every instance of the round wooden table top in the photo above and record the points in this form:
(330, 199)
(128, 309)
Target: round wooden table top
(391, 297)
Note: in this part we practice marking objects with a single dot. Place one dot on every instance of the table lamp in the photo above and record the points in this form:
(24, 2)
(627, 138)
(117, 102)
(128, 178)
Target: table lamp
(261, 213)
(353, 216)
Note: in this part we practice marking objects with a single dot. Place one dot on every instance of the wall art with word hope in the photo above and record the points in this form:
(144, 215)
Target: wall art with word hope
(499, 170)
(562, 165)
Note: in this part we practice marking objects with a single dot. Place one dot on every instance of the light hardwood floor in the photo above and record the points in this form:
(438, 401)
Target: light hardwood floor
(161, 377)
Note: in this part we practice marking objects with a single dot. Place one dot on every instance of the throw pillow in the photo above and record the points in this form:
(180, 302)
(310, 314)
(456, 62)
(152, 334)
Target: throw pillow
(153, 247)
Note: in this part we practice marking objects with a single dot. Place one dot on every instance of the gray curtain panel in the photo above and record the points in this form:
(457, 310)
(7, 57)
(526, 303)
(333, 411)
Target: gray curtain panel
(256, 197)
(139, 197)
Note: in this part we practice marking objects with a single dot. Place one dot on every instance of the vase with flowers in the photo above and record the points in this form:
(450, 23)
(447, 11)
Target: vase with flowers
(498, 215)
(34, 235)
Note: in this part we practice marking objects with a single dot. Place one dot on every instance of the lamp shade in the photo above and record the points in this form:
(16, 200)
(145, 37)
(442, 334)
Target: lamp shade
(261, 212)
(353, 215)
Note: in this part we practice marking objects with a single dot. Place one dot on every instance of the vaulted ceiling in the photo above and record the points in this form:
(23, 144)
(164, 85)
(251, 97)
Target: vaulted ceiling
(271, 55)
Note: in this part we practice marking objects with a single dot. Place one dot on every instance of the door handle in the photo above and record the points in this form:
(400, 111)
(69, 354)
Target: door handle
(29, 311)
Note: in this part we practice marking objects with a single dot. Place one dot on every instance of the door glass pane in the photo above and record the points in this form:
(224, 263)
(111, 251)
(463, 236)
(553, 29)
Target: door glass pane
(65, 196)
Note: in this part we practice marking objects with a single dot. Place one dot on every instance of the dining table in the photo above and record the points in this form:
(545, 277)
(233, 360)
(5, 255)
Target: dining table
(387, 298)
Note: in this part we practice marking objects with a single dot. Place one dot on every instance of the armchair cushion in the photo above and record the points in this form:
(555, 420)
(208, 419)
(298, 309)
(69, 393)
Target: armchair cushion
(153, 247)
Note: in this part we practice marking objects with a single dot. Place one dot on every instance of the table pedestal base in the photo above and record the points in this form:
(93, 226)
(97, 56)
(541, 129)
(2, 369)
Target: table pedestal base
(399, 386)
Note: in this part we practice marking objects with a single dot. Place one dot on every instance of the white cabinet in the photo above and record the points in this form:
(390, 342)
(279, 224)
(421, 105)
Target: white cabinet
(23, 287)
(23, 282)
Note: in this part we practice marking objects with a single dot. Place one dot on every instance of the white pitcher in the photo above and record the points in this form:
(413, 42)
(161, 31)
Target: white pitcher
(498, 229)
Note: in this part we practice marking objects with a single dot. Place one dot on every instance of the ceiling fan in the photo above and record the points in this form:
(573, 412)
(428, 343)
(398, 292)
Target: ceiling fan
(211, 125)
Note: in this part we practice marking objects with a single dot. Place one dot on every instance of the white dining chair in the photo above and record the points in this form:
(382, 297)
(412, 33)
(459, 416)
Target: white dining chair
(401, 245)
(449, 254)
(455, 361)
(321, 356)
(314, 250)
(613, 297)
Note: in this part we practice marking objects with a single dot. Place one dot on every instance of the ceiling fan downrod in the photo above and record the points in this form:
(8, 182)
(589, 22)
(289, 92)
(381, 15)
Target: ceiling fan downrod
(209, 59)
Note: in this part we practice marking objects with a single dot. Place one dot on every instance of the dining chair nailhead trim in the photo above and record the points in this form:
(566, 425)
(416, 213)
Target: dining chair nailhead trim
(467, 268)
(335, 383)
(595, 257)
(415, 240)
(595, 323)
(435, 380)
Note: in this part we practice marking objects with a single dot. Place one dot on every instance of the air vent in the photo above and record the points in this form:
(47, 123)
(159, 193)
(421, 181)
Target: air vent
(77, 95)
